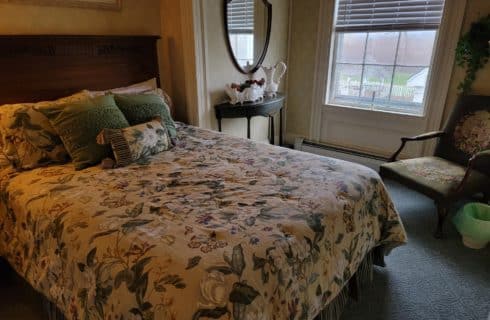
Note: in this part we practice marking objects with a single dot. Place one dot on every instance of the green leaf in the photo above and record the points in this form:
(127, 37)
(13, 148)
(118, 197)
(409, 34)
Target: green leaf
(146, 306)
(340, 237)
(131, 225)
(91, 257)
(318, 291)
(102, 234)
(136, 211)
(194, 261)
(243, 293)
(313, 278)
(139, 266)
(123, 276)
(239, 311)
(223, 269)
(259, 263)
(81, 267)
(237, 260)
(215, 313)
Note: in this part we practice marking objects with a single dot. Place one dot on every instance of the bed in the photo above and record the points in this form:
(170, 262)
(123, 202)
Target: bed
(215, 228)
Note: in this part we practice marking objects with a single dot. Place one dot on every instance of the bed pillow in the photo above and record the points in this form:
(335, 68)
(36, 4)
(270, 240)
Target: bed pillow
(141, 108)
(27, 138)
(131, 89)
(164, 96)
(136, 142)
(79, 123)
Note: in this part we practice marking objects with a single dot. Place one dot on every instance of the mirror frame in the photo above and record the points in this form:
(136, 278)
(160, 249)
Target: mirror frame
(258, 63)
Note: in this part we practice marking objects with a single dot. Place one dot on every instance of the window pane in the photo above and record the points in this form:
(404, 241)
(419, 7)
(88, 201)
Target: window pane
(350, 47)
(347, 80)
(415, 48)
(381, 48)
(409, 86)
(376, 82)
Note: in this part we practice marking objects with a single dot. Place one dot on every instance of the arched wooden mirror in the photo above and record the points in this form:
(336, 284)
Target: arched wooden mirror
(248, 29)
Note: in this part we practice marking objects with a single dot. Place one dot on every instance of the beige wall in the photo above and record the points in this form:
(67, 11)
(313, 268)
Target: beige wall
(475, 9)
(172, 56)
(135, 17)
(221, 71)
(302, 63)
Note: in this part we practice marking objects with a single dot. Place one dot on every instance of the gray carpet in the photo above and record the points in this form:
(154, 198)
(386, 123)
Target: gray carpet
(426, 279)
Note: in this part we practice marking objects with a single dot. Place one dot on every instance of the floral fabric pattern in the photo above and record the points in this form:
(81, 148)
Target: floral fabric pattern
(472, 133)
(435, 170)
(29, 140)
(136, 142)
(216, 228)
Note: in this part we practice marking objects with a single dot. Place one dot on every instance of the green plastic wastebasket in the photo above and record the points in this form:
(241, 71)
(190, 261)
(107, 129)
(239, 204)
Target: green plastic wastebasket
(473, 222)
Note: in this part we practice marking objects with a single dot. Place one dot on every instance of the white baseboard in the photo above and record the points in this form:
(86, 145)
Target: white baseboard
(370, 161)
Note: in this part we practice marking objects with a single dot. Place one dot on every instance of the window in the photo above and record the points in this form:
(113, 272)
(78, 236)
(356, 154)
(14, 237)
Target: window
(241, 30)
(382, 53)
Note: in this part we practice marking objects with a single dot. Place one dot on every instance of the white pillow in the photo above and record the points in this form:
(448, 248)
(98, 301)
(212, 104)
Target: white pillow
(131, 89)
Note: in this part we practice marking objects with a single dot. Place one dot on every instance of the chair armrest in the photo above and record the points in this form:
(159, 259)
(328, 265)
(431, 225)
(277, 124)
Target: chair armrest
(480, 161)
(424, 136)
(420, 137)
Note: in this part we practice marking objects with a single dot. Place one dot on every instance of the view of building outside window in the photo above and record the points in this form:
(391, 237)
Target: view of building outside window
(382, 70)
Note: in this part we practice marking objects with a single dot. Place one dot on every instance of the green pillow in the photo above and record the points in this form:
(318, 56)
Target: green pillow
(141, 108)
(79, 123)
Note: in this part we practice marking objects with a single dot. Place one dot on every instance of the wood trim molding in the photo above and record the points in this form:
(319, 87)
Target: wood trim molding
(443, 68)
(322, 62)
(195, 61)
(102, 4)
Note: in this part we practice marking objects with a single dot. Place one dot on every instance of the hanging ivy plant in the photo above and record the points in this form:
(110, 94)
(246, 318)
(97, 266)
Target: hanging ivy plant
(472, 51)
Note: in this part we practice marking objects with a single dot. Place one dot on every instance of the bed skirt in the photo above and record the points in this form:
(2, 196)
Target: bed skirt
(333, 311)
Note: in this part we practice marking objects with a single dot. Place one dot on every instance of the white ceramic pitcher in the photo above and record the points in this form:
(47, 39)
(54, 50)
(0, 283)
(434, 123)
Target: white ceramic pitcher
(271, 85)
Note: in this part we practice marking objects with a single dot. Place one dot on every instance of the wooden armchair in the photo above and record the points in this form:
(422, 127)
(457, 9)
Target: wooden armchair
(461, 164)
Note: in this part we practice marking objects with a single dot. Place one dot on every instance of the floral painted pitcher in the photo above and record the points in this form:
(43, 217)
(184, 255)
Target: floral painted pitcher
(271, 85)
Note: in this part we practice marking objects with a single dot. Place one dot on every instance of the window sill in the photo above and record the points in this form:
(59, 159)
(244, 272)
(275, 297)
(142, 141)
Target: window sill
(356, 108)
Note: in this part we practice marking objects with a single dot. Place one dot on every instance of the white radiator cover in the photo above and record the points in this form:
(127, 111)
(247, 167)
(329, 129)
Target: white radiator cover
(370, 161)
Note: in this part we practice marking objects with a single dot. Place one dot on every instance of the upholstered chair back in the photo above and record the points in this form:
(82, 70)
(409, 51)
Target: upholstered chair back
(467, 130)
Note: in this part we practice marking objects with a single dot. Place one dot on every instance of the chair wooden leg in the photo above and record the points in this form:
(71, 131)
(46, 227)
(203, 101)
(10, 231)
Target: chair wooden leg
(442, 210)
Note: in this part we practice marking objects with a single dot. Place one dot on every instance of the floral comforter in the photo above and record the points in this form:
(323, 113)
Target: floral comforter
(216, 228)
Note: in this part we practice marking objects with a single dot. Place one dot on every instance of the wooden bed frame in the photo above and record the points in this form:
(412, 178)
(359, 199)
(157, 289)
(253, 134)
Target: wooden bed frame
(46, 67)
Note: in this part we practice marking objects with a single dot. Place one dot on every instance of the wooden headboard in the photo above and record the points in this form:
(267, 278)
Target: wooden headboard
(46, 67)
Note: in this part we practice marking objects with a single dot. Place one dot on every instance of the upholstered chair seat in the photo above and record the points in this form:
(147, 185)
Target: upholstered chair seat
(436, 177)
(460, 166)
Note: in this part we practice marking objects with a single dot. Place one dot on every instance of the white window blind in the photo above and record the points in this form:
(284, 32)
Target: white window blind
(241, 16)
(372, 15)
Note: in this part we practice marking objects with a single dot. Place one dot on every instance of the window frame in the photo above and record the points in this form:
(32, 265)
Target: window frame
(390, 108)
(437, 91)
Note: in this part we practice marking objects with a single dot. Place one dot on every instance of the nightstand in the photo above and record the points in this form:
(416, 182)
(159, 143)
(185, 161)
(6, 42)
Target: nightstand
(268, 107)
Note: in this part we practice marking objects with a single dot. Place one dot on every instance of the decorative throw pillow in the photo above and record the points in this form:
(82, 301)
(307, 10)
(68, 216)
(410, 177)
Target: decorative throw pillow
(141, 108)
(164, 96)
(79, 123)
(28, 139)
(131, 89)
(136, 142)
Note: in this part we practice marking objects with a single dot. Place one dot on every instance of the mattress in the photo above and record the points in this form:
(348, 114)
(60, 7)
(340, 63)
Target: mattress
(216, 228)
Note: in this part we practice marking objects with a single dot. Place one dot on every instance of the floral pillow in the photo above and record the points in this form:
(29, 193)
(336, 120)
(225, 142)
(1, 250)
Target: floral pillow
(27, 138)
(136, 142)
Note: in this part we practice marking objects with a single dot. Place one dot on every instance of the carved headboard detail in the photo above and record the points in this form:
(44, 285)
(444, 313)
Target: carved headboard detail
(46, 67)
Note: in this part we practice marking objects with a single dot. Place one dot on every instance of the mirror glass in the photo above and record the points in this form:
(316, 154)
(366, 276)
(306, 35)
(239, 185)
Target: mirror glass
(247, 23)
